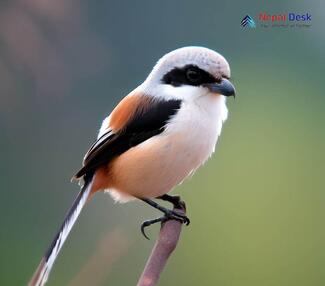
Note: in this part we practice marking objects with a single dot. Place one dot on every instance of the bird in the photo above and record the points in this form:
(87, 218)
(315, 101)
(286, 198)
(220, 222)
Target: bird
(157, 136)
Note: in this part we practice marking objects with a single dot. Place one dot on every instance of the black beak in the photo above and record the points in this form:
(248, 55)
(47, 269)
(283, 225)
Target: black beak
(225, 87)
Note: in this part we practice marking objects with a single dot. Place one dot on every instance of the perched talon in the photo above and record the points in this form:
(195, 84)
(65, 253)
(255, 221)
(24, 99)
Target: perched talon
(169, 215)
(182, 218)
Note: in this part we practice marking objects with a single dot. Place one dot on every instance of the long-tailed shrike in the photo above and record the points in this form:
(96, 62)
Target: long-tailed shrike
(155, 137)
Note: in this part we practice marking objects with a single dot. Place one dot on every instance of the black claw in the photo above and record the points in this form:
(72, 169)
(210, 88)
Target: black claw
(150, 222)
(183, 218)
(143, 226)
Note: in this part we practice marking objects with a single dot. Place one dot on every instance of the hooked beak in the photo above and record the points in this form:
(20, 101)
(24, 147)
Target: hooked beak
(225, 87)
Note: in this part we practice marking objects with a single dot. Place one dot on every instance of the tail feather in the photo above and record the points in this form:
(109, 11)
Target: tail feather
(42, 272)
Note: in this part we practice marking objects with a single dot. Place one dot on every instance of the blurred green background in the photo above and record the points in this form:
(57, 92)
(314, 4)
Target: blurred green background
(257, 207)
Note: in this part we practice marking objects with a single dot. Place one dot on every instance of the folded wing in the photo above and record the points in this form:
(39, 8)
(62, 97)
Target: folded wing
(136, 118)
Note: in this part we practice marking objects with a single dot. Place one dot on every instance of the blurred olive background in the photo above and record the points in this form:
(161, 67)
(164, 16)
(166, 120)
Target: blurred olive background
(257, 207)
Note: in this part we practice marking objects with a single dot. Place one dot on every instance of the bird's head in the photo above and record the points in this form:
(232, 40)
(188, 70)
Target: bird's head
(188, 73)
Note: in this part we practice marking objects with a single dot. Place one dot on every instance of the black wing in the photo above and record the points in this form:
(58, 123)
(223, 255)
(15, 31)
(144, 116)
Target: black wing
(140, 128)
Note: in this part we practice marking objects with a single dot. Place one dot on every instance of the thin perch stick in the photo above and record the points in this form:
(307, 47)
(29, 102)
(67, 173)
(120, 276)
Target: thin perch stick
(165, 244)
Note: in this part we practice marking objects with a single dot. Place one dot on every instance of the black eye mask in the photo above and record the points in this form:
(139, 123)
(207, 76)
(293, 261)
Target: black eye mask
(188, 75)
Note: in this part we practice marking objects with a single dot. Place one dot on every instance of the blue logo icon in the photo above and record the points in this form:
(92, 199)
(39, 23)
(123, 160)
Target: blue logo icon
(248, 21)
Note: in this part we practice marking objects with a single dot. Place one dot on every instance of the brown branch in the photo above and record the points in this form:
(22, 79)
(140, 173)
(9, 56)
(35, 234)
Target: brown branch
(165, 244)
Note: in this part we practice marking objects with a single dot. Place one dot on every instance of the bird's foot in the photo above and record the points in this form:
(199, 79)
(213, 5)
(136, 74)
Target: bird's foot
(168, 214)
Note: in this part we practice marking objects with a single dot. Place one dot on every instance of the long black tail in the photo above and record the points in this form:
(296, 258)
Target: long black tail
(43, 270)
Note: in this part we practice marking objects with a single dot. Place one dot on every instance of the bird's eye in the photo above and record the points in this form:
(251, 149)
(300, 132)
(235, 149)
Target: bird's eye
(187, 75)
(193, 75)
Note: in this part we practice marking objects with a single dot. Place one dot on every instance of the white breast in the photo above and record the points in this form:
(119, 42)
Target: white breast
(199, 123)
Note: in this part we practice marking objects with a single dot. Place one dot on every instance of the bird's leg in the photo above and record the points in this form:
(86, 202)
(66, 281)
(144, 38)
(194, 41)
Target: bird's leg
(177, 203)
(175, 200)
(168, 214)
